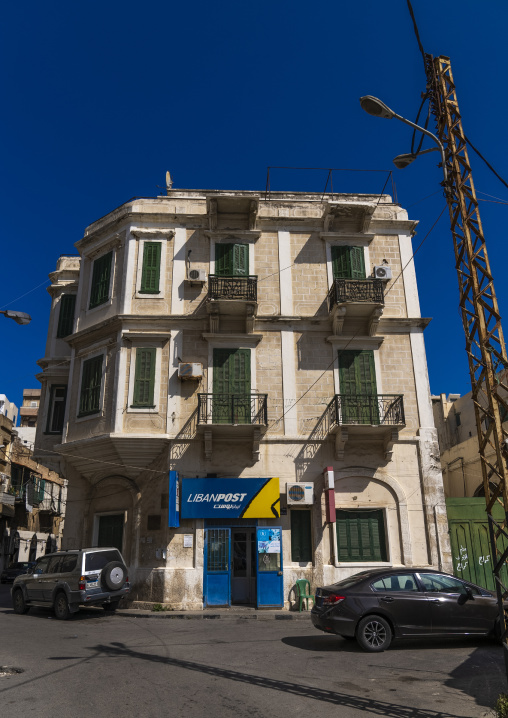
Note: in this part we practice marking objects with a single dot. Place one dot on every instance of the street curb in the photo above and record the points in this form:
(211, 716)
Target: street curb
(205, 616)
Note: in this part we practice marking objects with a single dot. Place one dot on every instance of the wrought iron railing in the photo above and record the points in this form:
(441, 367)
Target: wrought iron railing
(232, 409)
(365, 291)
(384, 409)
(245, 288)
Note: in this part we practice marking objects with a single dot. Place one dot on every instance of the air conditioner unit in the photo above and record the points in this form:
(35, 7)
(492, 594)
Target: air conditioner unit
(196, 275)
(383, 271)
(186, 370)
(300, 494)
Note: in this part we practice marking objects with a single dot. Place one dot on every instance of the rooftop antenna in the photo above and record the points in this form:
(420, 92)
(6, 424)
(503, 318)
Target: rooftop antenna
(169, 182)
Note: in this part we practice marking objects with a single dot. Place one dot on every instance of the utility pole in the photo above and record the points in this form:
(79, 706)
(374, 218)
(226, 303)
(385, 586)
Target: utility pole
(480, 317)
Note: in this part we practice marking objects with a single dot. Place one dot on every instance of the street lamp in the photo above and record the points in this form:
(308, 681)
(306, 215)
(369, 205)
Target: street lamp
(19, 317)
(375, 107)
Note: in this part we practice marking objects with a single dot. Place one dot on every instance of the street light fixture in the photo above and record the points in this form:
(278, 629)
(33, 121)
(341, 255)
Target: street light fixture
(375, 107)
(19, 317)
(402, 161)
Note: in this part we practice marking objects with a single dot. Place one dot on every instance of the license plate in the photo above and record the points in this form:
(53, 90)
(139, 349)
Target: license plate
(92, 584)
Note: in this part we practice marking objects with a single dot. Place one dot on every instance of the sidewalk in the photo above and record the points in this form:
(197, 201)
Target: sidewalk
(233, 612)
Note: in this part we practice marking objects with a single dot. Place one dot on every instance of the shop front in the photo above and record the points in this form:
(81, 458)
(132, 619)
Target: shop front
(242, 559)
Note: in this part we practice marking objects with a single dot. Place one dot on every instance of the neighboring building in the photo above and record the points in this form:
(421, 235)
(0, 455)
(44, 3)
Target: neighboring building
(29, 412)
(463, 485)
(234, 337)
(32, 502)
(8, 409)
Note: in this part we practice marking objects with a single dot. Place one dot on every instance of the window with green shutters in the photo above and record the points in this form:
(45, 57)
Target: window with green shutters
(144, 379)
(348, 262)
(232, 260)
(150, 273)
(101, 277)
(357, 378)
(231, 386)
(301, 536)
(361, 535)
(66, 315)
(91, 381)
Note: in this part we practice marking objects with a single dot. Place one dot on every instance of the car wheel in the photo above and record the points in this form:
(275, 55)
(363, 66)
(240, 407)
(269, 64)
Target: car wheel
(114, 575)
(19, 603)
(61, 607)
(374, 634)
(110, 607)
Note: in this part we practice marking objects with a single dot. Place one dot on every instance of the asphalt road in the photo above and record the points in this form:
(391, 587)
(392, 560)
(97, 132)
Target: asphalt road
(101, 665)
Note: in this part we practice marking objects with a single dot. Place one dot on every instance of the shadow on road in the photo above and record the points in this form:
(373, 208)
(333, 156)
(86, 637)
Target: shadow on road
(368, 705)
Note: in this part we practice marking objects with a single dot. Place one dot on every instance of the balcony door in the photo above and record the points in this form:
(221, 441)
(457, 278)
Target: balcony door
(232, 260)
(348, 262)
(231, 386)
(358, 391)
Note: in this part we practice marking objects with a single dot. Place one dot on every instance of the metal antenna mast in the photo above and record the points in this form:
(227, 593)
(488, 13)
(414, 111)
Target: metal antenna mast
(480, 316)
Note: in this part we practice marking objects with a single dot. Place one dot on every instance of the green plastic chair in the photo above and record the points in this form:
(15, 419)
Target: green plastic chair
(303, 593)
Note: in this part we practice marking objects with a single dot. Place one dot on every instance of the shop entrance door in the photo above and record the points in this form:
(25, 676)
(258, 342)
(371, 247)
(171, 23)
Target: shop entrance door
(243, 573)
(270, 581)
(217, 581)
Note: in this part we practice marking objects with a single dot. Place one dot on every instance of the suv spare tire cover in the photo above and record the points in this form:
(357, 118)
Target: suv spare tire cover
(114, 575)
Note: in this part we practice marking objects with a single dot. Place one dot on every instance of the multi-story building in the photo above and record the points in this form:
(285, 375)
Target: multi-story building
(29, 412)
(32, 501)
(235, 386)
(8, 409)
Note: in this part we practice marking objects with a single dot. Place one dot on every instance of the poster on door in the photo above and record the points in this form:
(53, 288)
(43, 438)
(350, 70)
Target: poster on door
(269, 540)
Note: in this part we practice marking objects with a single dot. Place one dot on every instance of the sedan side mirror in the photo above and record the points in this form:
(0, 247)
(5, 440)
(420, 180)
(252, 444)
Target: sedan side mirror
(469, 594)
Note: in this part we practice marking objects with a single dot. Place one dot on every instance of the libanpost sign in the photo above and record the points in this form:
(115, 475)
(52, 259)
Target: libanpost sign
(230, 499)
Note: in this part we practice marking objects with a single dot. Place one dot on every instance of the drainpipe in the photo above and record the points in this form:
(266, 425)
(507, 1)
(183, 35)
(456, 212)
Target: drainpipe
(329, 477)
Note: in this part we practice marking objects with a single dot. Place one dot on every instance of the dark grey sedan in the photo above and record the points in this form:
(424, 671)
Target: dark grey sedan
(15, 569)
(379, 605)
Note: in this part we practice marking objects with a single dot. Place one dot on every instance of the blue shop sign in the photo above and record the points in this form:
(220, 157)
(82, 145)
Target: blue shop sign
(230, 498)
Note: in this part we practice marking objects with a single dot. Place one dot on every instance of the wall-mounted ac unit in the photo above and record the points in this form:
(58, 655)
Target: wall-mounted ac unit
(187, 370)
(300, 494)
(383, 271)
(196, 275)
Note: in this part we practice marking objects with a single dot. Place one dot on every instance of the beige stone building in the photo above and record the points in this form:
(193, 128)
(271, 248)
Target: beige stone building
(226, 339)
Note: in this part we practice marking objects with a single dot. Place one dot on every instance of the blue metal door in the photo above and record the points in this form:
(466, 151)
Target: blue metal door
(270, 580)
(217, 569)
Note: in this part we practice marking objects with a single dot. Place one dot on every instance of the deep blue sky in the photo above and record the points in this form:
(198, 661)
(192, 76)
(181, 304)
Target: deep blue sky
(100, 99)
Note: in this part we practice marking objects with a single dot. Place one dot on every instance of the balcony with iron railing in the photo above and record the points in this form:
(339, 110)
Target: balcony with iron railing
(231, 417)
(356, 299)
(366, 417)
(233, 295)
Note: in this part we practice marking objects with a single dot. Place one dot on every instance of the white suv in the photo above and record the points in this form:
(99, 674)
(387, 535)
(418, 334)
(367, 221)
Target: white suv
(67, 579)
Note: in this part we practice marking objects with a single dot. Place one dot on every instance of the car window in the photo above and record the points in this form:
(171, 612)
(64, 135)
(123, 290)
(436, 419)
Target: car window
(54, 564)
(68, 563)
(438, 583)
(98, 559)
(42, 566)
(397, 582)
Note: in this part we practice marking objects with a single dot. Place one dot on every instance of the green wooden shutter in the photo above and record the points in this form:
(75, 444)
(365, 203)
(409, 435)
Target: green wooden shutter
(357, 377)
(150, 275)
(232, 260)
(361, 535)
(240, 260)
(66, 315)
(144, 379)
(101, 276)
(91, 380)
(348, 262)
(224, 260)
(301, 538)
(357, 262)
(231, 382)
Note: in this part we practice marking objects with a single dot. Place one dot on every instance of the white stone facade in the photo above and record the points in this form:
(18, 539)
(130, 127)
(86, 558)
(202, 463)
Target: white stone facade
(116, 456)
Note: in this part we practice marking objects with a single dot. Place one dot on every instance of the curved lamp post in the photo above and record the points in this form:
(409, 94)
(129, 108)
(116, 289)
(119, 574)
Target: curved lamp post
(375, 107)
(19, 317)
